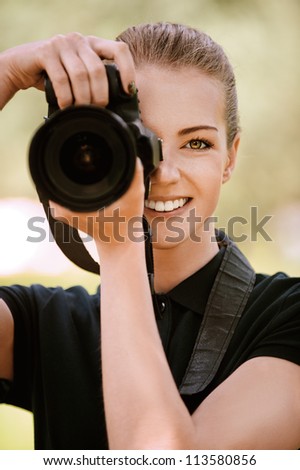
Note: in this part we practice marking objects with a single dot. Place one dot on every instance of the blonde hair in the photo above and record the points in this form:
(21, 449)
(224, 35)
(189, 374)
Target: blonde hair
(176, 45)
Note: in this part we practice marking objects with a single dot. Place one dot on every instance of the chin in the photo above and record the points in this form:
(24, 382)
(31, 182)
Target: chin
(168, 239)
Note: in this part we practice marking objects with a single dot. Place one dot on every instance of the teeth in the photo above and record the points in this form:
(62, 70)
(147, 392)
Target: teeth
(167, 206)
(159, 206)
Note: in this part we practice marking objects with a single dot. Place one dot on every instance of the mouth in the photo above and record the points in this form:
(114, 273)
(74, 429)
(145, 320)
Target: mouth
(166, 206)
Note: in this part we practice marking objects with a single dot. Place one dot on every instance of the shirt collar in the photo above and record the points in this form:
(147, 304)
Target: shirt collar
(193, 292)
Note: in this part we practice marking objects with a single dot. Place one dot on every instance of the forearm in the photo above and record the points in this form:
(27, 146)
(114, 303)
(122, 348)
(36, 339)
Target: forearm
(7, 90)
(142, 405)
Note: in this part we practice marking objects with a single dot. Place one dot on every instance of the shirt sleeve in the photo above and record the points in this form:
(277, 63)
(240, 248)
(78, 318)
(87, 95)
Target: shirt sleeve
(5, 386)
(23, 305)
(269, 326)
(280, 336)
(51, 326)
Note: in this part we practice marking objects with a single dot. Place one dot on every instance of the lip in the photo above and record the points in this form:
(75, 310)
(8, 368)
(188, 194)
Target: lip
(167, 214)
(166, 198)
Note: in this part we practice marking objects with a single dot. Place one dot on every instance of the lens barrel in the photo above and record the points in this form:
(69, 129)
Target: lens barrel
(83, 158)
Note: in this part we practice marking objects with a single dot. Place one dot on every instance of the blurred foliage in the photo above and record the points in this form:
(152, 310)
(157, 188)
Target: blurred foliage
(262, 39)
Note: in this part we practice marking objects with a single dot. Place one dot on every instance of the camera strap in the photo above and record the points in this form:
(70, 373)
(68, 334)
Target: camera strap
(70, 242)
(227, 300)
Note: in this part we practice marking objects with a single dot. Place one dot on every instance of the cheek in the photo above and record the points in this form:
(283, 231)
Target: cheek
(208, 187)
(208, 175)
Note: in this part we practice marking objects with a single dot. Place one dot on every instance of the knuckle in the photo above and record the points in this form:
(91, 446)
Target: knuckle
(64, 102)
(75, 37)
(44, 48)
(80, 74)
(50, 46)
(97, 70)
(56, 41)
(60, 79)
(122, 47)
(64, 40)
(100, 101)
(60, 40)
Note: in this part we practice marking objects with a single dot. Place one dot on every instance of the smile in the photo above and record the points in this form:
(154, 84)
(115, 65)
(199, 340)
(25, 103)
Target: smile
(166, 206)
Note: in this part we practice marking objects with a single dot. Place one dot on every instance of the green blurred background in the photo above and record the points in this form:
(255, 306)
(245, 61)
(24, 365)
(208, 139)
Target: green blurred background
(262, 39)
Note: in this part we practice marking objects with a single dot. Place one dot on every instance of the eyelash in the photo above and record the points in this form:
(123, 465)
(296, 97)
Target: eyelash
(207, 144)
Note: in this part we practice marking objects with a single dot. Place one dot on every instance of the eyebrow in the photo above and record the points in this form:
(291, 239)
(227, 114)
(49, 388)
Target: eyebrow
(189, 130)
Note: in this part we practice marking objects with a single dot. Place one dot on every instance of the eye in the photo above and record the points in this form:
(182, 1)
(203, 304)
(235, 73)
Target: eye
(198, 144)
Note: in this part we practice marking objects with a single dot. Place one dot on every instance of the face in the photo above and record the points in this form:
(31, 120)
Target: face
(185, 108)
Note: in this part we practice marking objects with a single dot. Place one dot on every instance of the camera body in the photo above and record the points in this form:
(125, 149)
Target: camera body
(83, 157)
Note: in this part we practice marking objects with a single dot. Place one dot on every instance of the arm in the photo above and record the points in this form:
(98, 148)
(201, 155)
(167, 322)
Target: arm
(142, 405)
(72, 63)
(6, 342)
(257, 407)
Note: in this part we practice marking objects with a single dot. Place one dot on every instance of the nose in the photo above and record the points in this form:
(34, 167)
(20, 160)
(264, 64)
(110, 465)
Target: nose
(167, 171)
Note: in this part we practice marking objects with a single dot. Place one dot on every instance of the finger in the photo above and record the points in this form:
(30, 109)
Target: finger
(51, 63)
(61, 84)
(119, 53)
(67, 48)
(139, 166)
(137, 184)
(81, 57)
(78, 77)
(66, 70)
(98, 82)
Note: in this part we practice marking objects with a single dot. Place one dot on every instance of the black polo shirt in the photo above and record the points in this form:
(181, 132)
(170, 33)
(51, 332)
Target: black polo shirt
(57, 366)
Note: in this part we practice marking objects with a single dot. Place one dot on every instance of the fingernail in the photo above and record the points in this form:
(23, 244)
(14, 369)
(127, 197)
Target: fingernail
(132, 88)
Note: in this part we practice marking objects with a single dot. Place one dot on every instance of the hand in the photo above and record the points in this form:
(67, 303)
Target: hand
(73, 64)
(116, 224)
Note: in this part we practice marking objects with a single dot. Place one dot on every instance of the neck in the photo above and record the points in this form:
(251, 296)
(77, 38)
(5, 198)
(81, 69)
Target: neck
(173, 265)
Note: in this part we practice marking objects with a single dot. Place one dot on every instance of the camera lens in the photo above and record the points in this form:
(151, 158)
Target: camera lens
(85, 158)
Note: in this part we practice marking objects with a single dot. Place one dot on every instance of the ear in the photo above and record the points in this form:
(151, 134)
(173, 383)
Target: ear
(231, 159)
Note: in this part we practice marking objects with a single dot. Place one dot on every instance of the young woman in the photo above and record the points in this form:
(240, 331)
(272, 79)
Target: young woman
(217, 364)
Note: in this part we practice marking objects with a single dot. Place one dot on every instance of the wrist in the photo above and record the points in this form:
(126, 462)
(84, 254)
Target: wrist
(125, 248)
(117, 234)
(121, 263)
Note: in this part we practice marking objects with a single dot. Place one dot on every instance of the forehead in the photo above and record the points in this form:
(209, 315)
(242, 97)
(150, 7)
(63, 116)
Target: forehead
(181, 97)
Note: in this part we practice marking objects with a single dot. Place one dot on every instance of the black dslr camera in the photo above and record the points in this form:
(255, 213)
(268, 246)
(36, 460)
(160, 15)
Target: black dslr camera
(83, 157)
